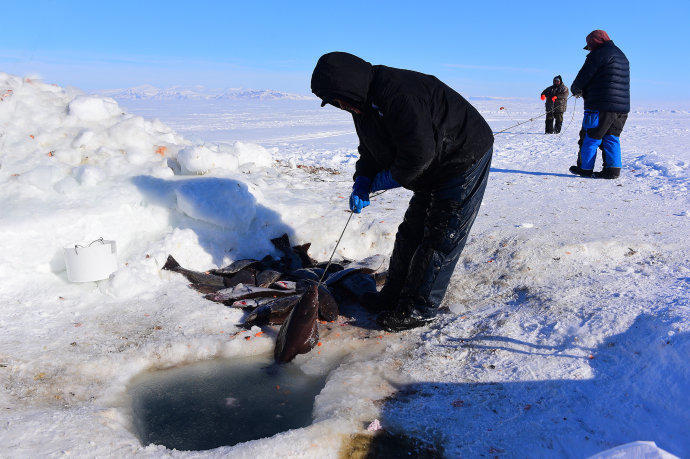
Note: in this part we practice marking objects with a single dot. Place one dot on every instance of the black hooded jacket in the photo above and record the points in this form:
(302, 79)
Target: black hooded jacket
(604, 80)
(410, 123)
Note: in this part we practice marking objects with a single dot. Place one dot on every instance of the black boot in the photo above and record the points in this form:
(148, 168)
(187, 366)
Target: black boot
(402, 319)
(608, 173)
(548, 128)
(581, 172)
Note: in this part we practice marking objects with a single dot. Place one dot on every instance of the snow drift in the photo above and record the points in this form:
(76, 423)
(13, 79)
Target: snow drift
(68, 168)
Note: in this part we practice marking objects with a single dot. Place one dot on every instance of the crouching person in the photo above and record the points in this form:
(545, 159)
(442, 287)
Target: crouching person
(418, 133)
(604, 83)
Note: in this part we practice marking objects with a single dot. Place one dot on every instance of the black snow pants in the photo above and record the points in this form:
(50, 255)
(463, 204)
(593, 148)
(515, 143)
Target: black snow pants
(431, 238)
(550, 117)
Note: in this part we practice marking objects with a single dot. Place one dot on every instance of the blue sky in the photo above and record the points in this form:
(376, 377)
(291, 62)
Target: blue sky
(482, 48)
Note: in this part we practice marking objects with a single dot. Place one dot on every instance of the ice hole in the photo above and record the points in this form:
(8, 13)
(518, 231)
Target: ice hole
(221, 402)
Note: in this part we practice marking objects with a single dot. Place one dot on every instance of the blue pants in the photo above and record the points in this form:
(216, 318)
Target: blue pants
(601, 130)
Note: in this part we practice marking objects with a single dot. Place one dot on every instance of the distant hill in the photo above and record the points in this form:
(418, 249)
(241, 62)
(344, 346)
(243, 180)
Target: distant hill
(148, 92)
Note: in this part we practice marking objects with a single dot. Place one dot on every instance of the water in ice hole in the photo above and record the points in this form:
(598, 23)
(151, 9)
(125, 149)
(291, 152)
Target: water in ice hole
(221, 402)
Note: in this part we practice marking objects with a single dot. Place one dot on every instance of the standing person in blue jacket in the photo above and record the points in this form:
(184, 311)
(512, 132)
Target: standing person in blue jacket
(604, 83)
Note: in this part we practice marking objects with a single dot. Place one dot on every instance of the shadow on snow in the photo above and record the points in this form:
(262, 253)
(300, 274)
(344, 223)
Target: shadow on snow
(639, 391)
(222, 212)
(515, 171)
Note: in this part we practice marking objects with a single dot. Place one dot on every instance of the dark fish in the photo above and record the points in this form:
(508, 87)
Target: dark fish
(334, 266)
(267, 277)
(334, 278)
(268, 262)
(368, 265)
(242, 292)
(235, 266)
(246, 277)
(328, 307)
(357, 284)
(204, 288)
(307, 274)
(250, 303)
(272, 313)
(284, 285)
(290, 258)
(380, 278)
(194, 277)
(302, 252)
(299, 333)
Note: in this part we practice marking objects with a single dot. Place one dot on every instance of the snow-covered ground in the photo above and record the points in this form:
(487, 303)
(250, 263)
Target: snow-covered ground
(570, 324)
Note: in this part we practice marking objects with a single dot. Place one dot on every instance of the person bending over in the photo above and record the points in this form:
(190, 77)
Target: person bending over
(416, 132)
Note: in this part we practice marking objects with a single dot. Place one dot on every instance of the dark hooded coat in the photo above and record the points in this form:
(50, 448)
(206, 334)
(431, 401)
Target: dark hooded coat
(559, 90)
(413, 124)
(604, 80)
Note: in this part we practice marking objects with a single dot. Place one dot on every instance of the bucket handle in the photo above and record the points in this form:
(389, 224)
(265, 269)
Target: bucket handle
(100, 239)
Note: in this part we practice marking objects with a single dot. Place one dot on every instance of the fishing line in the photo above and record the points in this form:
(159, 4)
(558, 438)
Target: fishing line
(341, 237)
(572, 117)
(336, 247)
(531, 119)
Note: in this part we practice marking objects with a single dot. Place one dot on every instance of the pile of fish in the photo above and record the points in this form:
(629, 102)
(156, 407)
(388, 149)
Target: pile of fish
(292, 291)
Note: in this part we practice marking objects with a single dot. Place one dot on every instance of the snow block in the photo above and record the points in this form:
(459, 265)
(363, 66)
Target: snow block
(635, 450)
(223, 202)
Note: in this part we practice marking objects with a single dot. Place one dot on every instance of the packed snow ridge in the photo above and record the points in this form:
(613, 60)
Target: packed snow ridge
(149, 92)
(76, 167)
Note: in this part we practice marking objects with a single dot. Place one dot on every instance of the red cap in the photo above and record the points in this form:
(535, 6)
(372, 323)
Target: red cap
(596, 38)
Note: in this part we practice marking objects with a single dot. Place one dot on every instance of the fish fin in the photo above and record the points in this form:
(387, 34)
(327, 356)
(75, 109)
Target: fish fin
(281, 242)
(171, 264)
(304, 247)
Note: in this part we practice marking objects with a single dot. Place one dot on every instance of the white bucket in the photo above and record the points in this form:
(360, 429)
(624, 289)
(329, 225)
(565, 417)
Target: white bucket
(92, 262)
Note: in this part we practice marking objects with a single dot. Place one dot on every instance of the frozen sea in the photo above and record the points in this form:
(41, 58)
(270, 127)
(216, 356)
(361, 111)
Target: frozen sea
(569, 323)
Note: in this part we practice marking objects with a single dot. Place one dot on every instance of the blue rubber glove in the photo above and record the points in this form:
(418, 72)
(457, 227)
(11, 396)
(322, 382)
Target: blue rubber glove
(384, 181)
(359, 198)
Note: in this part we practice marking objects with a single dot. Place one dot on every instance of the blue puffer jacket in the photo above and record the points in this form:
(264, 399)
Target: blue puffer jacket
(604, 80)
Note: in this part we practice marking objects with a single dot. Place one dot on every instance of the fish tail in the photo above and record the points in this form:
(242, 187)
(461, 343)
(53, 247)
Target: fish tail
(171, 264)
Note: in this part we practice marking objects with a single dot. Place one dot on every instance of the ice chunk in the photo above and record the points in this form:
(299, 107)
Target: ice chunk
(202, 159)
(223, 202)
(92, 109)
(252, 153)
(206, 158)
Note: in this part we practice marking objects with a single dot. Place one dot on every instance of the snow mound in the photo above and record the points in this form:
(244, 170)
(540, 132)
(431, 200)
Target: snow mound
(218, 158)
(72, 167)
